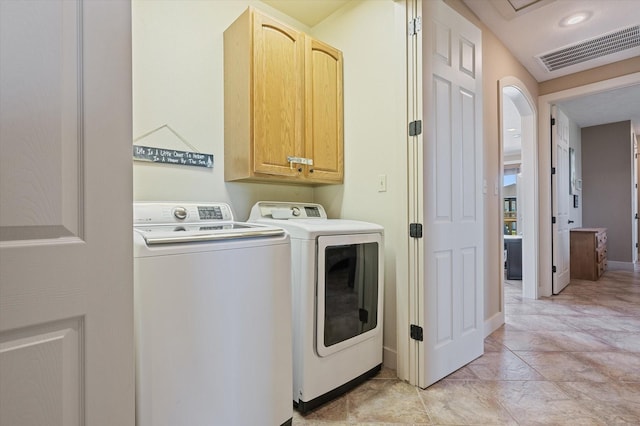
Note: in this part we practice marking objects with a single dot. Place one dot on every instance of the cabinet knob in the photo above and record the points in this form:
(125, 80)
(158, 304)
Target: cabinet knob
(310, 170)
(300, 169)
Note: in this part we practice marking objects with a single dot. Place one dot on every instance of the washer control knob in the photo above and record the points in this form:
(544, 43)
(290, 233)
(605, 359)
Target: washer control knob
(180, 213)
(295, 211)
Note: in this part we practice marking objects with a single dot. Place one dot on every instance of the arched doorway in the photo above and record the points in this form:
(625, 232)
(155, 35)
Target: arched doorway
(518, 153)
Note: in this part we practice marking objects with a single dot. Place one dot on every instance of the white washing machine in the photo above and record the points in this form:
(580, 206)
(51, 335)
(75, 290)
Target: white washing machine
(212, 318)
(337, 282)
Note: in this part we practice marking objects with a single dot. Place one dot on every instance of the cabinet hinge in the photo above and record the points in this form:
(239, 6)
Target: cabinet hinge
(416, 332)
(554, 269)
(553, 219)
(415, 230)
(415, 128)
(415, 25)
(553, 121)
(553, 170)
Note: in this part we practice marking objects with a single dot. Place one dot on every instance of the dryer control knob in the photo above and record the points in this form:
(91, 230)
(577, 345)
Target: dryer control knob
(295, 211)
(180, 213)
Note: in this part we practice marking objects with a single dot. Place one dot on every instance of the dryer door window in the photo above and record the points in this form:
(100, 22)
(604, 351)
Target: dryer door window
(349, 290)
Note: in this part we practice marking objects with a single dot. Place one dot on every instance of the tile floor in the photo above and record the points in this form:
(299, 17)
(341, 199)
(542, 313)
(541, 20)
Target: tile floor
(572, 359)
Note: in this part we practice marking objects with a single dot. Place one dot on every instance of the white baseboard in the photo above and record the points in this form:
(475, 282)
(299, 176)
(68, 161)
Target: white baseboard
(493, 323)
(390, 358)
(627, 266)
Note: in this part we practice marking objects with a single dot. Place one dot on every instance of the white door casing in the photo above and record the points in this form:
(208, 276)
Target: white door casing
(560, 200)
(66, 284)
(528, 200)
(450, 271)
(545, 103)
(634, 199)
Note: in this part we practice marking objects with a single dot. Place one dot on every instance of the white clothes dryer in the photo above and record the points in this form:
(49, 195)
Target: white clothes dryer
(212, 318)
(337, 289)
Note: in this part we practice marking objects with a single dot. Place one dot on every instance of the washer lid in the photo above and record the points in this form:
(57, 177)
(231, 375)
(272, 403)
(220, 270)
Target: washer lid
(189, 233)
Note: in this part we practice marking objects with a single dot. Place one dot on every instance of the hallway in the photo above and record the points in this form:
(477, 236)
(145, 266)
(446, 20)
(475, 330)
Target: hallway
(569, 359)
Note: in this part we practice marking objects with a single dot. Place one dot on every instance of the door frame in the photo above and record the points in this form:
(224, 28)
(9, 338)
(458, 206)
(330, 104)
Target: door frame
(544, 165)
(529, 161)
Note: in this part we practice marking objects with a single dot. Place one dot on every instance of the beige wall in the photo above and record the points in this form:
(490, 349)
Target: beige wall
(178, 81)
(605, 72)
(375, 135)
(497, 63)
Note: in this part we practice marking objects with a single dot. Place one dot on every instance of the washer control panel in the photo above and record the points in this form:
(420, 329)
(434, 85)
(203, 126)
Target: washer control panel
(167, 213)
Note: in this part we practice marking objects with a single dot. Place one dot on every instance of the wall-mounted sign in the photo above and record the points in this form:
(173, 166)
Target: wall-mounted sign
(172, 156)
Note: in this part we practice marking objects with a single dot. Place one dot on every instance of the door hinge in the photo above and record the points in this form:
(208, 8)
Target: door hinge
(553, 219)
(415, 230)
(553, 269)
(416, 332)
(415, 128)
(553, 170)
(553, 121)
(415, 25)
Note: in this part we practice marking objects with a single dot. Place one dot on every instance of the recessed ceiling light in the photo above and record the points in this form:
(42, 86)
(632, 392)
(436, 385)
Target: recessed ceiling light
(575, 19)
(517, 135)
(511, 130)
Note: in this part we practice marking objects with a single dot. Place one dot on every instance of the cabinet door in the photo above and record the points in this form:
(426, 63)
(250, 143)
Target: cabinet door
(324, 112)
(278, 84)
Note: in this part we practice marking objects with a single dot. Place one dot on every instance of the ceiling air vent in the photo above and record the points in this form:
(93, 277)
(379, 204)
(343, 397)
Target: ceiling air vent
(617, 41)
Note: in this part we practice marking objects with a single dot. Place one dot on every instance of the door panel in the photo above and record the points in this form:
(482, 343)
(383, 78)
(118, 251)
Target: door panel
(40, 74)
(66, 305)
(43, 362)
(451, 200)
(324, 111)
(278, 82)
(560, 182)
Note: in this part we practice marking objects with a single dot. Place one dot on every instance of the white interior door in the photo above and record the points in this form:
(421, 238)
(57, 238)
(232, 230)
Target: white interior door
(560, 200)
(66, 284)
(450, 200)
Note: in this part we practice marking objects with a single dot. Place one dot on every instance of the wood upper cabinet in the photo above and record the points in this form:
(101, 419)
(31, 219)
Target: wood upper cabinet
(324, 111)
(283, 104)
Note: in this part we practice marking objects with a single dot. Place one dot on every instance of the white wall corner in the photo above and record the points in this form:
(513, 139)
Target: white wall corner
(493, 323)
(389, 358)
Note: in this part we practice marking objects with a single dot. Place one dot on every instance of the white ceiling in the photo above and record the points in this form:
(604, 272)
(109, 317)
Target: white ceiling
(537, 29)
(606, 107)
(530, 28)
(309, 12)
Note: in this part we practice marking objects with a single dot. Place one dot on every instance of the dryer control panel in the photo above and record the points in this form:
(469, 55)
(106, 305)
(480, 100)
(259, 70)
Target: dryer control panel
(286, 210)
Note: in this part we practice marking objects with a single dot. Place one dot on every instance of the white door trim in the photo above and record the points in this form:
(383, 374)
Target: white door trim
(530, 162)
(544, 164)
